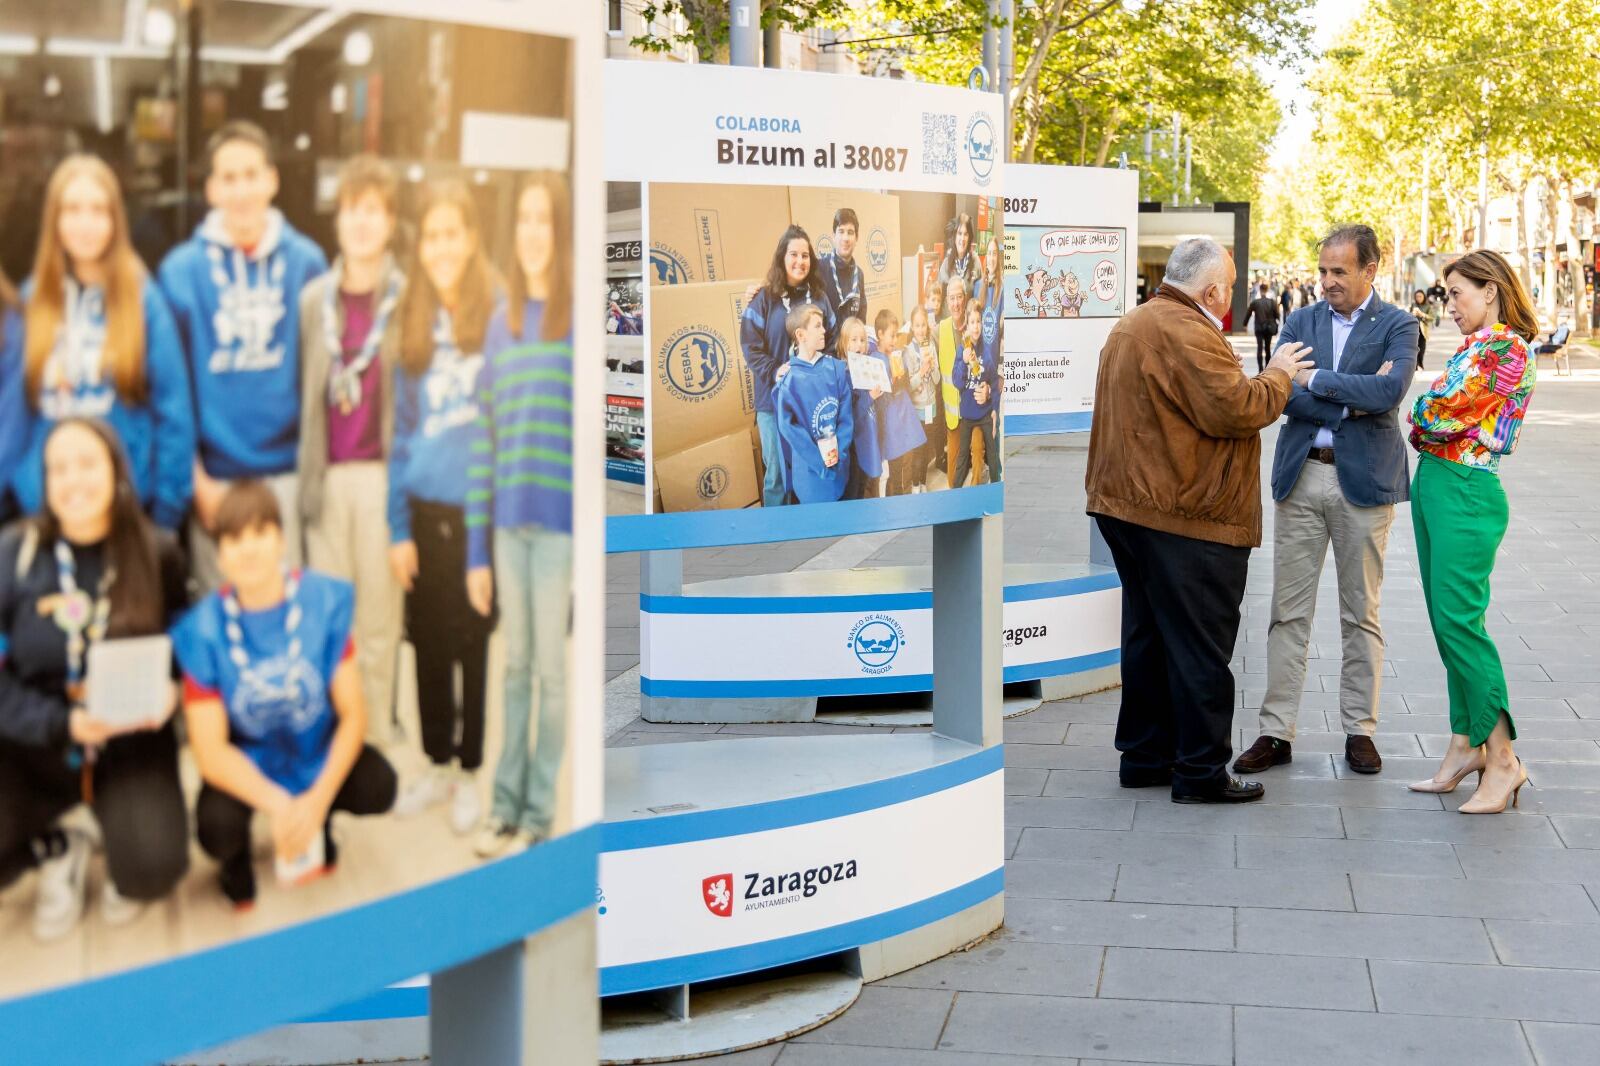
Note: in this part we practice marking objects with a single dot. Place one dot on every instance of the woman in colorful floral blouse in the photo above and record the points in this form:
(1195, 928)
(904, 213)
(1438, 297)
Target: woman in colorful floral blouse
(1461, 427)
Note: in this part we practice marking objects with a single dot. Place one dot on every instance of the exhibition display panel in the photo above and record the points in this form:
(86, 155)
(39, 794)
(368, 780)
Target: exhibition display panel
(254, 160)
(794, 242)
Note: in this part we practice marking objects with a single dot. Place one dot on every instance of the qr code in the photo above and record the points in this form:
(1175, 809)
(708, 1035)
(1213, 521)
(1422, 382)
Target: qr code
(938, 143)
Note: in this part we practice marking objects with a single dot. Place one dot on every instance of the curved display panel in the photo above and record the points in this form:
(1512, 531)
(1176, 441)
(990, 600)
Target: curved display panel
(300, 456)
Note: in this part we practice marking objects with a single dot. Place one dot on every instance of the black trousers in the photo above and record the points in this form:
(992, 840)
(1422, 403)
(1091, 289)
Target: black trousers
(137, 801)
(222, 822)
(985, 428)
(1263, 349)
(1181, 600)
(447, 634)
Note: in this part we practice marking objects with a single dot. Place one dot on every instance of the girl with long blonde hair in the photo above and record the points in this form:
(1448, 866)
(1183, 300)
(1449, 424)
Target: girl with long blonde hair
(99, 342)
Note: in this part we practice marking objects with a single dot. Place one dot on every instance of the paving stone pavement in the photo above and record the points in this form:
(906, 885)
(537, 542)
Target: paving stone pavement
(1344, 919)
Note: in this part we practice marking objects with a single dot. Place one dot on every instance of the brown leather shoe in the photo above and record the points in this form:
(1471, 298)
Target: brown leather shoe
(1264, 754)
(1362, 756)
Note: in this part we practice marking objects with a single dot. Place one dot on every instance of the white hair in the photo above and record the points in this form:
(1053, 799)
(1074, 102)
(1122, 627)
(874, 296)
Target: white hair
(1195, 263)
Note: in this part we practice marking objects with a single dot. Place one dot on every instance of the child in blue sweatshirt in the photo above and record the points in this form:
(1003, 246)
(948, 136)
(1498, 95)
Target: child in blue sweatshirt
(234, 289)
(444, 316)
(899, 428)
(976, 377)
(815, 417)
(100, 343)
(867, 471)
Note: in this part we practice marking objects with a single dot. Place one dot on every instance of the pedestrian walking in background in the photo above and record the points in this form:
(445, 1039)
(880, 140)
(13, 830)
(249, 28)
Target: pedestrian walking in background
(1264, 313)
(1339, 469)
(1174, 487)
(1420, 311)
(1470, 418)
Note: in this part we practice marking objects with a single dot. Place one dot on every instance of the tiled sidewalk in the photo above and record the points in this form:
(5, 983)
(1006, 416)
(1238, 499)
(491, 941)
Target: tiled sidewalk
(1344, 920)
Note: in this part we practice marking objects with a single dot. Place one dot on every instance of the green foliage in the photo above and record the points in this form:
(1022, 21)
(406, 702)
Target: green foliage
(704, 23)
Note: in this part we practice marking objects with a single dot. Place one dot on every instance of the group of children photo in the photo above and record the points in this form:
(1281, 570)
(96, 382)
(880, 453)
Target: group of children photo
(855, 403)
(346, 456)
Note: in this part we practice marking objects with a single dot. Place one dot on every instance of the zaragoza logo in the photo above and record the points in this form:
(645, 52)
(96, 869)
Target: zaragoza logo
(717, 894)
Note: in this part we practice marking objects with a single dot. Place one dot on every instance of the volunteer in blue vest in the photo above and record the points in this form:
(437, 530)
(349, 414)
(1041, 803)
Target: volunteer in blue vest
(88, 566)
(100, 343)
(444, 318)
(520, 503)
(272, 701)
(791, 282)
(842, 279)
(13, 438)
(350, 345)
(234, 288)
(815, 413)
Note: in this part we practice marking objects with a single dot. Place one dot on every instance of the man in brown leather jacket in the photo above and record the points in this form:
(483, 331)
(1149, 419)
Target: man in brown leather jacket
(1174, 486)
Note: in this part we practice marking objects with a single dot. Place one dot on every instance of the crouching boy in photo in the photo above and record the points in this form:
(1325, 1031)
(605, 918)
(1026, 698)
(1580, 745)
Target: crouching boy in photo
(272, 698)
(813, 401)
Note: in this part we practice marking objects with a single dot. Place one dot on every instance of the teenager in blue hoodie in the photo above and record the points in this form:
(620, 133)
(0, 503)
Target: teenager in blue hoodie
(791, 282)
(451, 292)
(814, 410)
(234, 288)
(976, 376)
(12, 438)
(100, 343)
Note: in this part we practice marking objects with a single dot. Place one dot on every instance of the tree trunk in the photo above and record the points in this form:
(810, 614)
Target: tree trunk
(1552, 215)
(1580, 312)
(1108, 136)
(1524, 246)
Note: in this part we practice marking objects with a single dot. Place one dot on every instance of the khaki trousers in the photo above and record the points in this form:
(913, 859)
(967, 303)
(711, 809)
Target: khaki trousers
(1315, 513)
(350, 540)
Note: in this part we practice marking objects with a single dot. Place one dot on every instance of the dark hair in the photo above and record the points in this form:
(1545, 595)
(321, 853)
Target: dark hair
(846, 215)
(239, 130)
(366, 173)
(881, 321)
(1420, 292)
(248, 504)
(1484, 267)
(797, 319)
(1365, 240)
(421, 301)
(557, 321)
(1263, 288)
(777, 282)
(137, 603)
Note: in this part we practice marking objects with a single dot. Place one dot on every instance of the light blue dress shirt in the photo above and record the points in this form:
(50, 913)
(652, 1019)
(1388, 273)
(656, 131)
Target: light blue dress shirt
(1342, 327)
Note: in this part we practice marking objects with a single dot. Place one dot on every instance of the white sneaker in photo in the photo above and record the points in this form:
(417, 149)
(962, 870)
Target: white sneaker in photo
(466, 806)
(62, 878)
(522, 840)
(428, 790)
(117, 909)
(493, 838)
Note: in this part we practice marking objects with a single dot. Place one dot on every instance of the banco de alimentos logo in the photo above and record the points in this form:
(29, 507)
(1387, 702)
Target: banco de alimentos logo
(713, 482)
(670, 267)
(980, 147)
(694, 363)
(875, 641)
(878, 250)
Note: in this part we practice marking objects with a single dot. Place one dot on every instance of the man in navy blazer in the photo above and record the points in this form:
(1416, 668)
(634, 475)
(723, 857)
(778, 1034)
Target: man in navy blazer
(1341, 466)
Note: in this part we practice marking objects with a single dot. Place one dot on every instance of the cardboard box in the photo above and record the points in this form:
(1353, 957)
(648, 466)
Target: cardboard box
(877, 245)
(712, 233)
(700, 387)
(718, 475)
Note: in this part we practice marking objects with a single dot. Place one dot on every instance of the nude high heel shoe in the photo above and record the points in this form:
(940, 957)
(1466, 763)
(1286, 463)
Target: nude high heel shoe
(1487, 806)
(1474, 767)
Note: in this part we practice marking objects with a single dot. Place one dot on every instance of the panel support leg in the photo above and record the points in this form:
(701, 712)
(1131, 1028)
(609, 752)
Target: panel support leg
(660, 574)
(968, 593)
(522, 1005)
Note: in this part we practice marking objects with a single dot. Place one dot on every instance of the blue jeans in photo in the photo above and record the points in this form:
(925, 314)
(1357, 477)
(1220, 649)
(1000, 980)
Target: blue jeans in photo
(771, 458)
(533, 578)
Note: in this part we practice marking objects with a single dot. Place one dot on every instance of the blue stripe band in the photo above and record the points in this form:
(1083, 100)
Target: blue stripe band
(410, 1001)
(1077, 664)
(308, 970)
(799, 810)
(764, 525)
(685, 969)
(1036, 425)
(1070, 586)
(805, 686)
(870, 601)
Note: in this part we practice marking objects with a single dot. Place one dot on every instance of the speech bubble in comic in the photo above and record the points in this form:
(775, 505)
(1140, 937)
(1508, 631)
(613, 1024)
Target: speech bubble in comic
(1058, 242)
(1105, 279)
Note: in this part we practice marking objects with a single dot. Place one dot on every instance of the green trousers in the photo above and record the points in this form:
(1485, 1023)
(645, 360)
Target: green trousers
(1460, 518)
